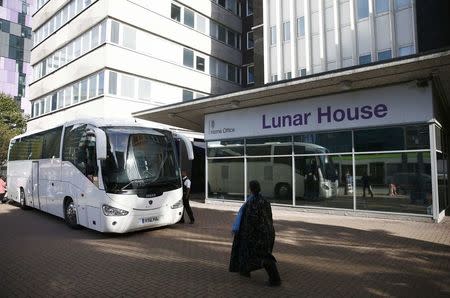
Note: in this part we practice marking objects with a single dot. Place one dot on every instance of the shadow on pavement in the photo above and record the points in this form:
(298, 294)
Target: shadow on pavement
(41, 256)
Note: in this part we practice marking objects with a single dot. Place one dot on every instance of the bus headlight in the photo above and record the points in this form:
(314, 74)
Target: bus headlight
(178, 204)
(111, 211)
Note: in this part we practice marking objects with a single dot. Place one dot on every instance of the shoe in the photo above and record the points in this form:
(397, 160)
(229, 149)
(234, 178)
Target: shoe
(245, 274)
(273, 283)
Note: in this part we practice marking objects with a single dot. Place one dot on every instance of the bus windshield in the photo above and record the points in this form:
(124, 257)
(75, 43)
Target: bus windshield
(139, 158)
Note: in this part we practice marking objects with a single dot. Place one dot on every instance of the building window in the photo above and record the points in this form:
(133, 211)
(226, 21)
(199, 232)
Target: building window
(301, 26)
(83, 90)
(405, 51)
(188, 58)
(175, 12)
(384, 55)
(365, 59)
(188, 95)
(112, 82)
(400, 4)
(363, 9)
(128, 86)
(273, 35)
(288, 75)
(114, 32)
(222, 66)
(286, 31)
(101, 83)
(201, 23)
(129, 37)
(250, 74)
(200, 63)
(144, 89)
(189, 17)
(250, 42)
(249, 7)
(222, 34)
(76, 92)
(60, 97)
(274, 78)
(381, 6)
(231, 73)
(231, 41)
(302, 72)
(93, 86)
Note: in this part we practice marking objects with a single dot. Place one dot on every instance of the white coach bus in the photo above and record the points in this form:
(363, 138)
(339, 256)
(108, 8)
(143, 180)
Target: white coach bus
(113, 176)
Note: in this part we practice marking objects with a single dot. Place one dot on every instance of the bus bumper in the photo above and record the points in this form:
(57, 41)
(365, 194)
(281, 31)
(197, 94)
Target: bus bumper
(137, 220)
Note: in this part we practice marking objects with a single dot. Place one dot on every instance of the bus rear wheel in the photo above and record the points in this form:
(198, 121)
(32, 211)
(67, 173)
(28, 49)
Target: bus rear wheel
(283, 191)
(23, 200)
(70, 214)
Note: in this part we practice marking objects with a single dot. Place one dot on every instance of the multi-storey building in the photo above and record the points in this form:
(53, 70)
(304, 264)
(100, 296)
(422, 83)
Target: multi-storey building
(116, 57)
(296, 38)
(15, 46)
(349, 113)
(307, 37)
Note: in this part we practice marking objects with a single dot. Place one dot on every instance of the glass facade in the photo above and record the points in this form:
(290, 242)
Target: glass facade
(385, 169)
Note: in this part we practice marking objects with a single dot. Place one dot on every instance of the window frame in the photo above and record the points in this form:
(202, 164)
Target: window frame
(247, 11)
(252, 41)
(286, 31)
(248, 74)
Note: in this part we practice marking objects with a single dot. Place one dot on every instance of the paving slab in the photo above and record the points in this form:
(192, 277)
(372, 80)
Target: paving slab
(318, 255)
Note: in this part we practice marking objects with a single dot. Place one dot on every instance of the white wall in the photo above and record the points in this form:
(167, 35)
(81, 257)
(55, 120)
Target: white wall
(164, 64)
(334, 34)
(107, 106)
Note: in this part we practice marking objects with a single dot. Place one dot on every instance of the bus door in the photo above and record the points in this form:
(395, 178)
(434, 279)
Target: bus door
(35, 185)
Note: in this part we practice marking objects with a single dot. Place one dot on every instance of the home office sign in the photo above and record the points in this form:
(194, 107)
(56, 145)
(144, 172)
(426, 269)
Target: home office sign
(401, 104)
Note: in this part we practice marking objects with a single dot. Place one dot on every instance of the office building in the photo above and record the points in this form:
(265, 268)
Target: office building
(349, 113)
(112, 58)
(15, 47)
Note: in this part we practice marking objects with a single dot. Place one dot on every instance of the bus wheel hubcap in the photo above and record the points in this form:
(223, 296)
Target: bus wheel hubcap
(284, 191)
(71, 212)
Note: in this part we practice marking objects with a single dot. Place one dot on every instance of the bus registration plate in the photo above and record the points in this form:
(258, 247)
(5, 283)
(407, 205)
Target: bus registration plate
(149, 219)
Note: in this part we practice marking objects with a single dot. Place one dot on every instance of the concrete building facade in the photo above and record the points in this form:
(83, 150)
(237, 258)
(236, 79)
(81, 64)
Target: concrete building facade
(112, 58)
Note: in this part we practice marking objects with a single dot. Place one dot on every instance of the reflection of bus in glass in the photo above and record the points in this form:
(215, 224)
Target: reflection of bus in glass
(108, 175)
(315, 175)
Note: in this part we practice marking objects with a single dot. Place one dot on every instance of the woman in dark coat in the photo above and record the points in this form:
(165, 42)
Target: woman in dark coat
(254, 237)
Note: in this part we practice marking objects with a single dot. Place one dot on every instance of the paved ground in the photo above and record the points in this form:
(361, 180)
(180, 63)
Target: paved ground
(318, 255)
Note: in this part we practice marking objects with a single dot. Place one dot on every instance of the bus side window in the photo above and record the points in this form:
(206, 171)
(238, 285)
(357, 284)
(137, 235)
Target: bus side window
(79, 149)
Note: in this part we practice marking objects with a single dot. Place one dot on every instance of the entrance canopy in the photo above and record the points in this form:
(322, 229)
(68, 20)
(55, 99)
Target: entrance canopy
(419, 68)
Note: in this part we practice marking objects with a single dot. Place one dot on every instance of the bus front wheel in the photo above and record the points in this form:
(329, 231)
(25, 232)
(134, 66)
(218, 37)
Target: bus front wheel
(70, 214)
(23, 200)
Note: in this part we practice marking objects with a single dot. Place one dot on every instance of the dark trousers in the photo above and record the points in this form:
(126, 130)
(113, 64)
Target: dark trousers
(369, 187)
(2, 197)
(271, 268)
(188, 210)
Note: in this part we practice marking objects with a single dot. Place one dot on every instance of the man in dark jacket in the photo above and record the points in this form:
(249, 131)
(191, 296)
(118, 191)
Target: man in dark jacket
(254, 237)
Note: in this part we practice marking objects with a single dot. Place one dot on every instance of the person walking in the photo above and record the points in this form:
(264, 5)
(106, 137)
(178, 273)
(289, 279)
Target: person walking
(254, 237)
(366, 185)
(186, 194)
(2, 188)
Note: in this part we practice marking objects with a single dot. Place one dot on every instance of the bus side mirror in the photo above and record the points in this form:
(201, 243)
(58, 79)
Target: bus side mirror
(100, 146)
(188, 144)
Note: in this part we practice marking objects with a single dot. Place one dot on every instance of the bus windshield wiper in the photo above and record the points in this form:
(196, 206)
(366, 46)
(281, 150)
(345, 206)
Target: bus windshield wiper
(172, 182)
(137, 180)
